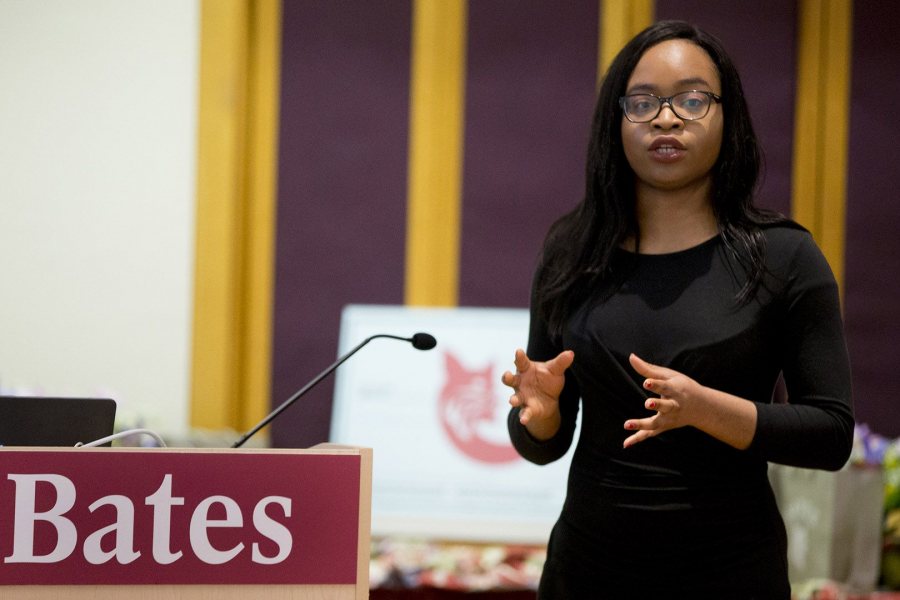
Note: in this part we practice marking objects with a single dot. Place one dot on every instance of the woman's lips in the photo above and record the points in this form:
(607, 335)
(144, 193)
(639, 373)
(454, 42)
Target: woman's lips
(666, 149)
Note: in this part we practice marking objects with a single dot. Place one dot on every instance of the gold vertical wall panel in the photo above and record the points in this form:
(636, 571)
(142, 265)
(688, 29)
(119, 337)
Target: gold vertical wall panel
(220, 188)
(821, 130)
(437, 93)
(620, 20)
(836, 122)
(260, 208)
(236, 166)
(804, 194)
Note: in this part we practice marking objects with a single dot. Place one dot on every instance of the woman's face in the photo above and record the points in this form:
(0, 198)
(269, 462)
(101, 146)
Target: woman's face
(670, 153)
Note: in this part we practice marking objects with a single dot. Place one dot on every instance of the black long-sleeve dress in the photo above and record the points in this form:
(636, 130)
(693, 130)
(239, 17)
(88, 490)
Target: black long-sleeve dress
(682, 515)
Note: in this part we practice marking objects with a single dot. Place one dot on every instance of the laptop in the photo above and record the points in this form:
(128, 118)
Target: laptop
(43, 421)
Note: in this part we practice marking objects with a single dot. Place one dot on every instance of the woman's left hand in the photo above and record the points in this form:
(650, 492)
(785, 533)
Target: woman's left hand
(678, 398)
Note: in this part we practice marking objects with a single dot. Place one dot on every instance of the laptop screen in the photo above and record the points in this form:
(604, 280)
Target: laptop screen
(43, 421)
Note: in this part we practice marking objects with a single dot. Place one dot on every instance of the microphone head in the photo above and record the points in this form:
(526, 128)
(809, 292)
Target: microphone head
(423, 341)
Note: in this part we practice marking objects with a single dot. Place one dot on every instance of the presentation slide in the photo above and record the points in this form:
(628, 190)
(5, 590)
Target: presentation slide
(443, 464)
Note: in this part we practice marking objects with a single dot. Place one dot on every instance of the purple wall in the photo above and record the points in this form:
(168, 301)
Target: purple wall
(759, 35)
(532, 72)
(871, 306)
(341, 221)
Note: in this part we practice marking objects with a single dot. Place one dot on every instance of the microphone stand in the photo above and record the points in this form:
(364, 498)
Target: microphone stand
(284, 405)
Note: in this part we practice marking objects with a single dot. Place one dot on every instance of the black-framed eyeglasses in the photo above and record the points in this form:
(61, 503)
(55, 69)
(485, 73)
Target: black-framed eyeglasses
(689, 106)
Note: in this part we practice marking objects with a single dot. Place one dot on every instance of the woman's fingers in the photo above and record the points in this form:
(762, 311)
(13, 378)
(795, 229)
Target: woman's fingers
(644, 429)
(558, 365)
(534, 390)
(524, 416)
(637, 438)
(666, 388)
(639, 365)
(648, 369)
(522, 361)
(510, 380)
(659, 380)
(654, 385)
(648, 424)
(675, 393)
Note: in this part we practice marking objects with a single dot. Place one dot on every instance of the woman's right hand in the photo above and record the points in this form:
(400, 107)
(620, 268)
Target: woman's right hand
(537, 386)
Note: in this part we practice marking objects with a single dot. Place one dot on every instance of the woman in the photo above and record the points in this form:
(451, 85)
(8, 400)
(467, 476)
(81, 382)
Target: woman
(667, 306)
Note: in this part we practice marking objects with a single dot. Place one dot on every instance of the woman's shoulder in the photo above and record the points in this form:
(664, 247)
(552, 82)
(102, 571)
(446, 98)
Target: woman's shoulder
(785, 234)
(792, 251)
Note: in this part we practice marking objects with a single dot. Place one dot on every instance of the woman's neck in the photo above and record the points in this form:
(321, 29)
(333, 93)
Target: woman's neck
(673, 220)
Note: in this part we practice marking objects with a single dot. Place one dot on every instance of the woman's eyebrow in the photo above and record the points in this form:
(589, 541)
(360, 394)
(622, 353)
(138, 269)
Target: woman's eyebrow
(638, 88)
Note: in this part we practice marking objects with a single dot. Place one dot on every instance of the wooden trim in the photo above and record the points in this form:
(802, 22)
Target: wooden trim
(620, 20)
(236, 172)
(821, 129)
(435, 152)
(364, 550)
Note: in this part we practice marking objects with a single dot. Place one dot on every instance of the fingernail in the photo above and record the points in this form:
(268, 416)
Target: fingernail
(651, 404)
(648, 384)
(629, 425)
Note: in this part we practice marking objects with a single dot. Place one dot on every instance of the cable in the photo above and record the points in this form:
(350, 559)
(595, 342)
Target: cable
(122, 434)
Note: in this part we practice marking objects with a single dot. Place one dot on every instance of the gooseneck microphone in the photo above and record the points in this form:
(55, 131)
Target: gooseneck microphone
(420, 341)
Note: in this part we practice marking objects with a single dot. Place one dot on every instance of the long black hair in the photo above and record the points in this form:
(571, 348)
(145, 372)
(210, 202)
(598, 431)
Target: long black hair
(578, 248)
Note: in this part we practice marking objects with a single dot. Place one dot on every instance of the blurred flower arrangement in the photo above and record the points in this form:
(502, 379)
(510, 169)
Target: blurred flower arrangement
(873, 450)
(819, 589)
(888, 451)
(454, 566)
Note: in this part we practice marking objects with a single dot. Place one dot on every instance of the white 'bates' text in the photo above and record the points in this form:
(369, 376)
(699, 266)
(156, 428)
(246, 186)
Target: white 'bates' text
(124, 552)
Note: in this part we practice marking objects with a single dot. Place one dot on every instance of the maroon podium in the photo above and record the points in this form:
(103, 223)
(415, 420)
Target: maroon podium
(101, 523)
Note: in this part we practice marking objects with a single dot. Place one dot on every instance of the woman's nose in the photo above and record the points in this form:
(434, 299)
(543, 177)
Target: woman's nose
(667, 119)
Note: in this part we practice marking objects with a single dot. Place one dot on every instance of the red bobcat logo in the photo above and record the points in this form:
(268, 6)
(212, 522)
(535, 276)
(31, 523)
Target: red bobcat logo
(468, 412)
